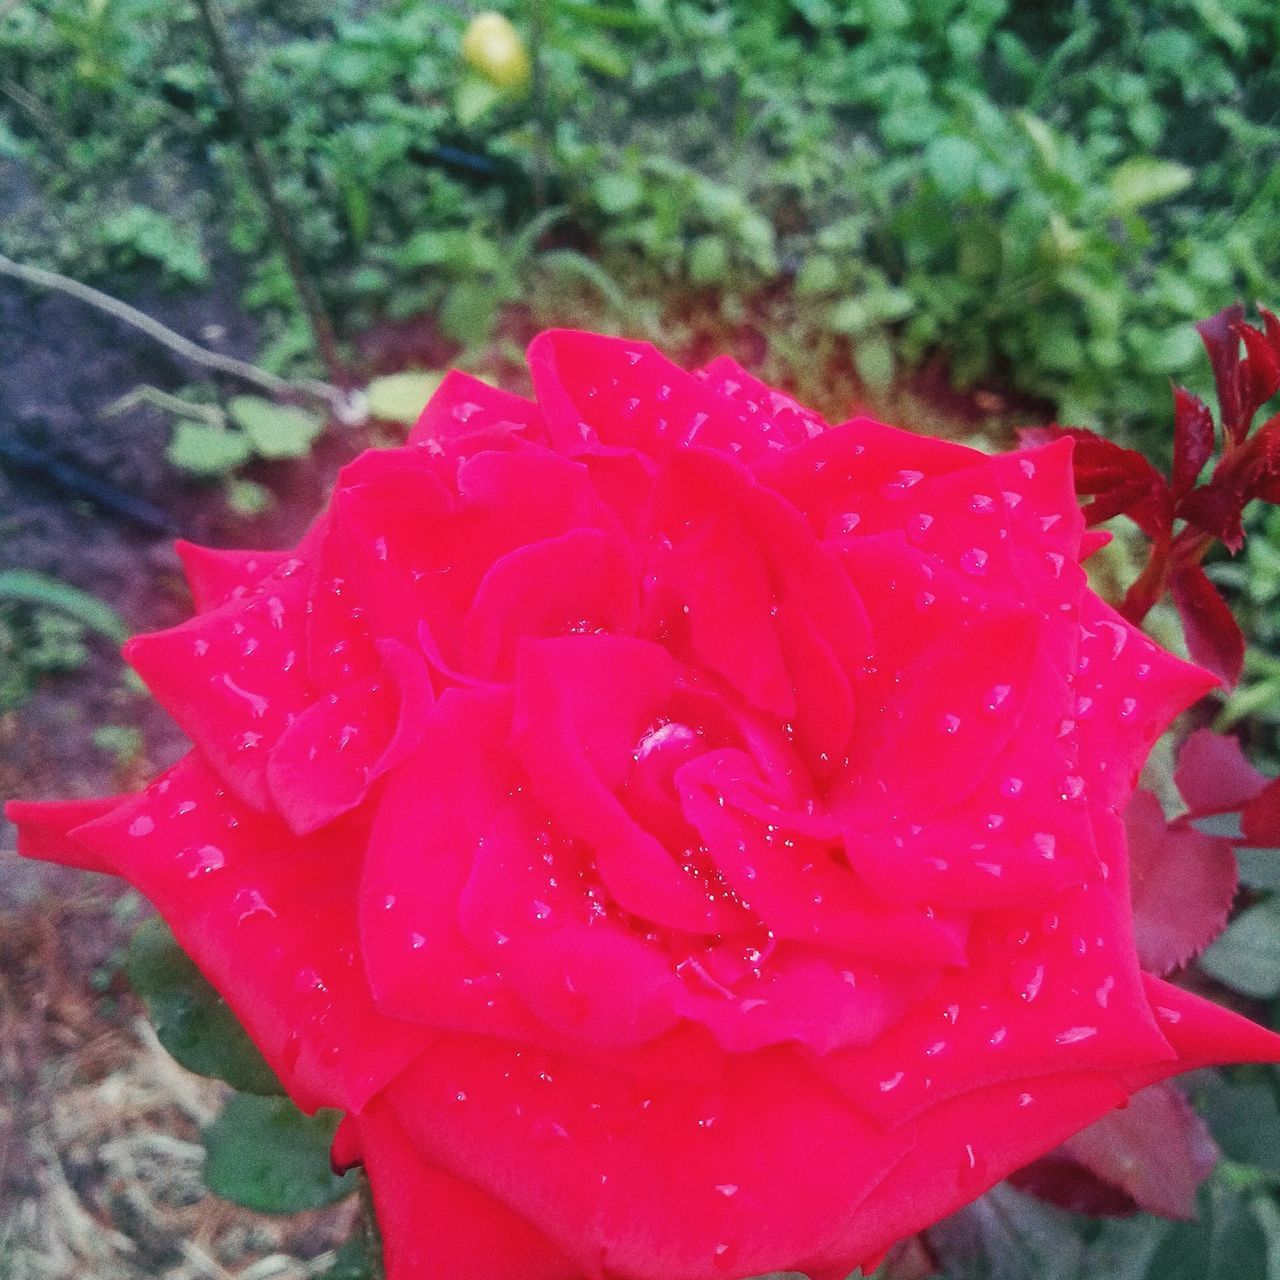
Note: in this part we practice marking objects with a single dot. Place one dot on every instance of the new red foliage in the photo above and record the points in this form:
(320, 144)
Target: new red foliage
(1182, 517)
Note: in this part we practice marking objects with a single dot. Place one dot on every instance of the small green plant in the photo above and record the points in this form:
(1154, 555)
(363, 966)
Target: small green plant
(45, 627)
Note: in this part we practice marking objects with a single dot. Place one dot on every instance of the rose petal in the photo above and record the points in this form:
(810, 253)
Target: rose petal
(327, 759)
(434, 811)
(270, 919)
(797, 884)
(612, 393)
(581, 581)
(582, 704)
(235, 678)
(217, 576)
(962, 1148)
(467, 416)
(44, 829)
(584, 1154)
(438, 1227)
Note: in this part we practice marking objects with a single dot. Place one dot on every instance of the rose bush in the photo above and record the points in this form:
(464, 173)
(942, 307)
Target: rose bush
(684, 837)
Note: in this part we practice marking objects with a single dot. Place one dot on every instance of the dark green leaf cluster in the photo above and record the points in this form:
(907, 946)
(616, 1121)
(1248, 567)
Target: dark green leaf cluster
(1047, 194)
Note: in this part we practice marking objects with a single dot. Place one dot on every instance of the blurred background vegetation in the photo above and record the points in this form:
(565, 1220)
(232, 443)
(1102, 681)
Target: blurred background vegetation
(962, 213)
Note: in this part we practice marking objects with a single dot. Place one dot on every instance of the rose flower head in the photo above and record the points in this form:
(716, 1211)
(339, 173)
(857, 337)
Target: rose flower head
(683, 836)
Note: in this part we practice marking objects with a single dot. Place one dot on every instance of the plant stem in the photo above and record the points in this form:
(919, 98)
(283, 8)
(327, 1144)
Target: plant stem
(38, 276)
(542, 122)
(309, 297)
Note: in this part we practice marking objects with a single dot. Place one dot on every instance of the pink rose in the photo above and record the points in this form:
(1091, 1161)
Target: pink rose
(683, 836)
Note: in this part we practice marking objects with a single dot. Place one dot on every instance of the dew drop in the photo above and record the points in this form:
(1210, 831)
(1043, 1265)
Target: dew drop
(974, 561)
(1027, 983)
(142, 825)
(919, 524)
(997, 696)
(1073, 1035)
(905, 481)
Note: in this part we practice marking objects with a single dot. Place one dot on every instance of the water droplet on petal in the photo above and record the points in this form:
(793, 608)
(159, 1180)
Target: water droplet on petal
(1073, 1035)
(997, 696)
(974, 561)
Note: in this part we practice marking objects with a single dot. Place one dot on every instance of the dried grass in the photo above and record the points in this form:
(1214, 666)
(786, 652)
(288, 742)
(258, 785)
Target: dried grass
(100, 1155)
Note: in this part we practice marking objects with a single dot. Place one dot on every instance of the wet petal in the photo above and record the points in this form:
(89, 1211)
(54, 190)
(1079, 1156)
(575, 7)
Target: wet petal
(236, 677)
(584, 1154)
(216, 576)
(270, 919)
(327, 759)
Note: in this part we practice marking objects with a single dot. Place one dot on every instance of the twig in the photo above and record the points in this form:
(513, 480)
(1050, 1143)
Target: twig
(33, 107)
(342, 403)
(228, 73)
(209, 414)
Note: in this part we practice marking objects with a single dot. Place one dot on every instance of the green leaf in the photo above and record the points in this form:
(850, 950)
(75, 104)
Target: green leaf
(952, 163)
(1259, 868)
(618, 192)
(25, 586)
(708, 260)
(475, 98)
(1244, 1119)
(1247, 956)
(248, 498)
(873, 359)
(193, 1022)
(400, 397)
(469, 312)
(275, 430)
(207, 451)
(264, 1154)
(1146, 180)
(1225, 1243)
(356, 1260)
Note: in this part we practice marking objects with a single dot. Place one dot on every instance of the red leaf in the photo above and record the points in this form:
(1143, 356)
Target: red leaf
(1059, 1180)
(1250, 471)
(1192, 439)
(1146, 590)
(1272, 327)
(1213, 635)
(1182, 883)
(1259, 372)
(1156, 1151)
(1260, 820)
(1213, 775)
(1120, 481)
(1221, 341)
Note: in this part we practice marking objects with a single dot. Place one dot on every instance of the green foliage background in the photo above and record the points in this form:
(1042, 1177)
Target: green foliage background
(1047, 195)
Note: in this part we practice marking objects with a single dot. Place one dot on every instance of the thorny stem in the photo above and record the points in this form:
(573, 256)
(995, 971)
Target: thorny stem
(308, 296)
(339, 401)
